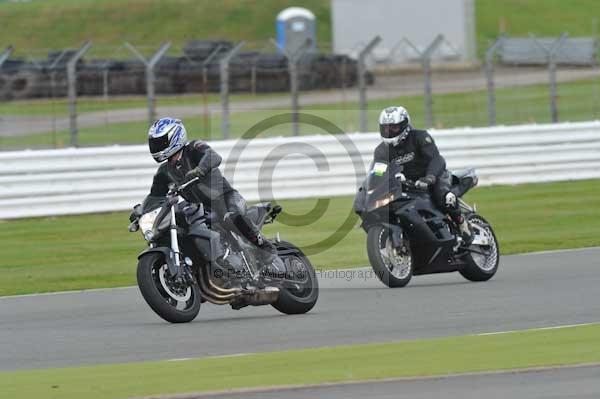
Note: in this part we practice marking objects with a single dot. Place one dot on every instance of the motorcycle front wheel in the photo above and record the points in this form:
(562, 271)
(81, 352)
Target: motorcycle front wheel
(393, 267)
(174, 302)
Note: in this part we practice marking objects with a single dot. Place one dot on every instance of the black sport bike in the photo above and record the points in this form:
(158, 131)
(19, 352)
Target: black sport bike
(407, 235)
(192, 258)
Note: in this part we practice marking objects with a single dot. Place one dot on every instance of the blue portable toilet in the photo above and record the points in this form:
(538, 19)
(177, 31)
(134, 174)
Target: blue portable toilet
(294, 26)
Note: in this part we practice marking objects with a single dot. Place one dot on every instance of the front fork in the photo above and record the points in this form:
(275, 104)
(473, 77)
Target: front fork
(466, 208)
(181, 272)
(396, 235)
(175, 240)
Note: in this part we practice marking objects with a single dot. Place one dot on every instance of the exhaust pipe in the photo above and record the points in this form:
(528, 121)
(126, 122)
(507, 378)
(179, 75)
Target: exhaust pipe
(211, 295)
(234, 296)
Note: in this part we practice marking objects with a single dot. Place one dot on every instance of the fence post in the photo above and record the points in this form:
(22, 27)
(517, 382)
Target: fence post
(224, 77)
(343, 74)
(150, 77)
(293, 59)
(362, 84)
(72, 90)
(425, 58)
(52, 68)
(253, 78)
(551, 56)
(489, 75)
(293, 71)
(426, 61)
(205, 64)
(552, 71)
(5, 54)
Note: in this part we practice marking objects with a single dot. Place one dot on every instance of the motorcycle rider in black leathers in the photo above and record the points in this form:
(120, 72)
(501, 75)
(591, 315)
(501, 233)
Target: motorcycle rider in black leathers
(167, 139)
(416, 152)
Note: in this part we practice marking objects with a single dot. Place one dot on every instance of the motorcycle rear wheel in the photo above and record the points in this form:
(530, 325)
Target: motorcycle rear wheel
(300, 299)
(173, 303)
(481, 267)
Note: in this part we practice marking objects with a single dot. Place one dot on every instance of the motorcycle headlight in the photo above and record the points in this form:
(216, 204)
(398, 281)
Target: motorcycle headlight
(148, 235)
(146, 223)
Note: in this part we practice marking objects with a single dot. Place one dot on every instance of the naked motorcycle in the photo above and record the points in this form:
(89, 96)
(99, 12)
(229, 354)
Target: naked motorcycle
(192, 257)
(407, 235)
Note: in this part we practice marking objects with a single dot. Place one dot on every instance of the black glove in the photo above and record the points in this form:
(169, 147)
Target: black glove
(196, 172)
(424, 182)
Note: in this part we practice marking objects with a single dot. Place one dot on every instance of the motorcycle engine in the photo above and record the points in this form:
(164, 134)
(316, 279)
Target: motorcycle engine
(235, 261)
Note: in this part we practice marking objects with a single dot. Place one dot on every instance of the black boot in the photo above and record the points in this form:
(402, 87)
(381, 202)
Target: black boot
(267, 252)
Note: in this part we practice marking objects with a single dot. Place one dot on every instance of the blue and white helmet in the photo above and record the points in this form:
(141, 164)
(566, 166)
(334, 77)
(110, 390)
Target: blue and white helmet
(165, 138)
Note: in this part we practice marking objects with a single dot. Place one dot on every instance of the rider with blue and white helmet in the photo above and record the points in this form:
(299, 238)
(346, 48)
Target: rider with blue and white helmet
(167, 141)
(165, 138)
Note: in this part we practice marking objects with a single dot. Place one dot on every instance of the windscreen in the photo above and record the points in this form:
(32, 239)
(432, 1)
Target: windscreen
(378, 176)
(379, 184)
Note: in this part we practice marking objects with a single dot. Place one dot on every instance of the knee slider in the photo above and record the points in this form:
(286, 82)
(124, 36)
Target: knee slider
(451, 200)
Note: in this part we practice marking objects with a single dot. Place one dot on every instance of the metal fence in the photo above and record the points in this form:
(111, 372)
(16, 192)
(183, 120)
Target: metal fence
(71, 181)
(96, 95)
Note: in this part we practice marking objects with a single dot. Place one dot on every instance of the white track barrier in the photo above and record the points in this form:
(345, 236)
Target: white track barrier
(74, 181)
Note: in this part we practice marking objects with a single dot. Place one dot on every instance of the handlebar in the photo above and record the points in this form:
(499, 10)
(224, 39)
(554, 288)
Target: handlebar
(175, 190)
(134, 226)
(134, 218)
(185, 185)
(172, 194)
(411, 185)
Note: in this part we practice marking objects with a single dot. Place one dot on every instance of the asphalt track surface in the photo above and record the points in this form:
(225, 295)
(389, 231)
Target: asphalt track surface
(561, 383)
(116, 326)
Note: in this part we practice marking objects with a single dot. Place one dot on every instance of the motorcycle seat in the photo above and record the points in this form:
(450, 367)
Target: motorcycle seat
(459, 174)
(463, 181)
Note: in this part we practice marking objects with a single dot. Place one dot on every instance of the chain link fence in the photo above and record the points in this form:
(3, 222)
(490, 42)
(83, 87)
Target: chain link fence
(99, 95)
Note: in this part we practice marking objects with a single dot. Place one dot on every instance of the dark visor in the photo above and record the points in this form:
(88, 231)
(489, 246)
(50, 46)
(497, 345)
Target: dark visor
(158, 144)
(389, 131)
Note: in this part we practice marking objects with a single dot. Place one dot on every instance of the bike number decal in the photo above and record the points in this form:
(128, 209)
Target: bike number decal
(379, 168)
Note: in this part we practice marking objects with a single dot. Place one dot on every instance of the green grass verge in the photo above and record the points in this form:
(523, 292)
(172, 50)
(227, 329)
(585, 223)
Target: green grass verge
(67, 23)
(578, 101)
(94, 251)
(525, 349)
(60, 24)
(59, 107)
(540, 17)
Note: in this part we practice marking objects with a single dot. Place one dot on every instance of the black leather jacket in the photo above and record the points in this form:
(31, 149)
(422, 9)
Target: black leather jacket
(210, 188)
(418, 155)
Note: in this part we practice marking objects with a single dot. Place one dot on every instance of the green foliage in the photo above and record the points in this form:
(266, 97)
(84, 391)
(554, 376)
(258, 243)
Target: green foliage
(540, 17)
(410, 358)
(93, 251)
(57, 24)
